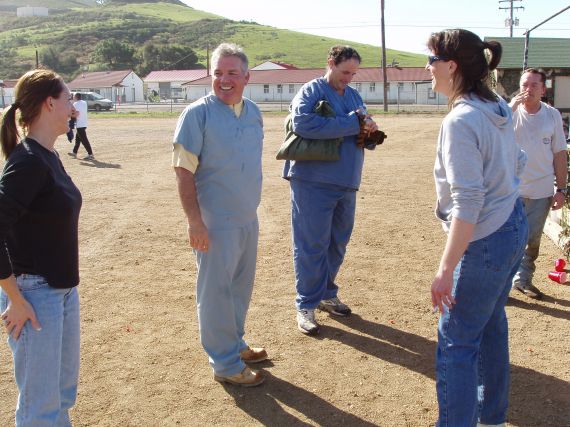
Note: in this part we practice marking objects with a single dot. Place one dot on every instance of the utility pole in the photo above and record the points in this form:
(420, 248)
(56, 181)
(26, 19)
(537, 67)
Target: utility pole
(509, 22)
(384, 57)
(527, 35)
(208, 59)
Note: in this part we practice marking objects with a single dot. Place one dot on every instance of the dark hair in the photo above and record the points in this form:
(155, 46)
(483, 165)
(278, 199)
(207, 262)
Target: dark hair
(78, 96)
(467, 50)
(343, 53)
(541, 73)
(32, 89)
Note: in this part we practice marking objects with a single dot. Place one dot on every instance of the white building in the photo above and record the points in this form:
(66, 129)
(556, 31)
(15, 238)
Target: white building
(272, 65)
(31, 11)
(405, 85)
(168, 84)
(118, 86)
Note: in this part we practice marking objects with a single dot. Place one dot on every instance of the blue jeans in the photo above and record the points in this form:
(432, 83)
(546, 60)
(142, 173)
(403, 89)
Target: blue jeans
(46, 362)
(322, 218)
(472, 360)
(536, 213)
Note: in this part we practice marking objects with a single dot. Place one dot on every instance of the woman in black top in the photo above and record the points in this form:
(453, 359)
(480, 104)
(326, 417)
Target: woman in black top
(39, 270)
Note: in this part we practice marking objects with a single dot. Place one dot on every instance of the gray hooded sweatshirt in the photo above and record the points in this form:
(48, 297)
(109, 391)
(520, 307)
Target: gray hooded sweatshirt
(477, 165)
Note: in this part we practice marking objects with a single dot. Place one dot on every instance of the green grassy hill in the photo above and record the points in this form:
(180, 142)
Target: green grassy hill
(74, 27)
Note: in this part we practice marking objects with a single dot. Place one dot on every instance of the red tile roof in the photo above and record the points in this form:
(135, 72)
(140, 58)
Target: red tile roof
(371, 74)
(175, 75)
(9, 83)
(99, 79)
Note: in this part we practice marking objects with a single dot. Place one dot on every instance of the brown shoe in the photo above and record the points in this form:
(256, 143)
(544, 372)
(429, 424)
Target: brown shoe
(253, 355)
(247, 378)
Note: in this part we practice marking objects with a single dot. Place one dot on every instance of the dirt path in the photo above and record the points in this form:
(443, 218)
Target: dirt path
(142, 363)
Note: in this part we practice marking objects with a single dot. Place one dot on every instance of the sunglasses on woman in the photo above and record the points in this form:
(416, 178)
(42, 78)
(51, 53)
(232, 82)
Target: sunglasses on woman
(433, 58)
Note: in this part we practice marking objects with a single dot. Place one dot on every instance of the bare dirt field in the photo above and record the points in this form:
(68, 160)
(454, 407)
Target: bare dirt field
(142, 363)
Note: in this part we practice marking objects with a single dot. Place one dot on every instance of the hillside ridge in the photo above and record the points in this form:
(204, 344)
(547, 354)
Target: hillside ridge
(146, 35)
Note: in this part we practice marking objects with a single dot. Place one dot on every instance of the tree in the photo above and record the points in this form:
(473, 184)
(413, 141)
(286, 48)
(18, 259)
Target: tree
(172, 57)
(113, 53)
(50, 58)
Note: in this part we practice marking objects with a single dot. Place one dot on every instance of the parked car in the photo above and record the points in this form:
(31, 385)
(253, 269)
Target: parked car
(95, 101)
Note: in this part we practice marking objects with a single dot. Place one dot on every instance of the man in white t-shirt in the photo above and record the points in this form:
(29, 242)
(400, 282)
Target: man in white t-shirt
(81, 127)
(539, 132)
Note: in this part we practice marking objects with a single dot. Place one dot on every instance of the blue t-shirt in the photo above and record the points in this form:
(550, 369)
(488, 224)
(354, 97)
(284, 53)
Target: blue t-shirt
(228, 178)
(345, 172)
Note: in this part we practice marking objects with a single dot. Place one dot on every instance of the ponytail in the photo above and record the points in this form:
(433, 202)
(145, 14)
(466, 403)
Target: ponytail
(496, 52)
(31, 91)
(9, 130)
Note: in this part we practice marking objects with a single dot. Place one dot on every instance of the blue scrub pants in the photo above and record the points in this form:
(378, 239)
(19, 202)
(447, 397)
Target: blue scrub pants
(224, 286)
(322, 218)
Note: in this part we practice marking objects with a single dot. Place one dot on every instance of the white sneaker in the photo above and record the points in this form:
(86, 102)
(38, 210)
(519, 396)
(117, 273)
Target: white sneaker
(306, 322)
(89, 157)
(72, 154)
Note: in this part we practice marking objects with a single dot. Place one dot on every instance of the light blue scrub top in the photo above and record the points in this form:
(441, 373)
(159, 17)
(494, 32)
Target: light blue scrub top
(228, 178)
(347, 171)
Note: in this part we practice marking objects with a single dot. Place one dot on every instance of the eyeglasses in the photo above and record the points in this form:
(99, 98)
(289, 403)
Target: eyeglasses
(433, 58)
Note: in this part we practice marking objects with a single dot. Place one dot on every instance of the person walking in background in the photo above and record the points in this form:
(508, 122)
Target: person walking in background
(71, 125)
(81, 128)
(476, 177)
(39, 266)
(217, 159)
(323, 194)
(539, 132)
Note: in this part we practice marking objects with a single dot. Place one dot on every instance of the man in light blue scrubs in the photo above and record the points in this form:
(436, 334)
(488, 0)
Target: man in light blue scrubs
(217, 159)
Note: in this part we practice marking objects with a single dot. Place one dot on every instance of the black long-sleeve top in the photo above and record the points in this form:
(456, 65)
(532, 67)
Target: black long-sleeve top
(39, 217)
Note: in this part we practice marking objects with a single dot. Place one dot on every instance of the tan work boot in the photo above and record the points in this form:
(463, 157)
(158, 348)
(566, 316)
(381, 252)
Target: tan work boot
(247, 378)
(253, 355)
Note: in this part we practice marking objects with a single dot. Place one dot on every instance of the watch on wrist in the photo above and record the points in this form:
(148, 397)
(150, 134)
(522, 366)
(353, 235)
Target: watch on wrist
(562, 190)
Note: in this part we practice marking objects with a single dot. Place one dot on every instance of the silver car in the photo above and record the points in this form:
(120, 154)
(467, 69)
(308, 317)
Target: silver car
(95, 101)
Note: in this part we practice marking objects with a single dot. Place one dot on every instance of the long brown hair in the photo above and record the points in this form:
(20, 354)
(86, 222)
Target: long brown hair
(31, 91)
(467, 50)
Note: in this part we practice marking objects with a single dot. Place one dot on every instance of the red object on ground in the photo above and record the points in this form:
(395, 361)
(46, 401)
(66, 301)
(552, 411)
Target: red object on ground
(559, 264)
(557, 276)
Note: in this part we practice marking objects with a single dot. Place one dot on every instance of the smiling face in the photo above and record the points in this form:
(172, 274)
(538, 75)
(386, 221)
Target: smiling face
(441, 76)
(339, 76)
(229, 79)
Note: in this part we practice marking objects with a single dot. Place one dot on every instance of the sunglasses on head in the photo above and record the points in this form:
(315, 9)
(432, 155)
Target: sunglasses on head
(433, 58)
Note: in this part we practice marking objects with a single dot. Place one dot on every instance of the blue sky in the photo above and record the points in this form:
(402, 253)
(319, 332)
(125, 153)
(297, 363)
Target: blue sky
(408, 22)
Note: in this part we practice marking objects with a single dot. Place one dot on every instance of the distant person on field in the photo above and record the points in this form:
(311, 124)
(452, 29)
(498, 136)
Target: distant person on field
(71, 125)
(323, 194)
(539, 132)
(39, 254)
(81, 125)
(476, 178)
(217, 159)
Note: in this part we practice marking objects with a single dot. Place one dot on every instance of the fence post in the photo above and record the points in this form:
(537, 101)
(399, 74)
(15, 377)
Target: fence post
(398, 99)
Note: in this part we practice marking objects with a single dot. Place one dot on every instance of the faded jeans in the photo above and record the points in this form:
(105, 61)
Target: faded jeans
(536, 213)
(472, 360)
(46, 362)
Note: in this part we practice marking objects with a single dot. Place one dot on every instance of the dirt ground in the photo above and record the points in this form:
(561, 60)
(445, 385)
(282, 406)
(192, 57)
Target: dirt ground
(142, 363)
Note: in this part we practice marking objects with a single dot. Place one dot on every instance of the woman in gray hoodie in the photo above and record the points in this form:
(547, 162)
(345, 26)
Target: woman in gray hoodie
(476, 175)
